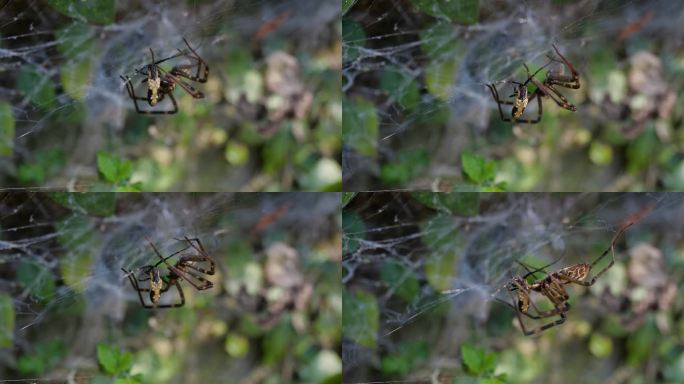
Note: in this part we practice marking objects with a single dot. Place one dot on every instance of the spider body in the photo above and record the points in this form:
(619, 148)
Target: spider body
(160, 82)
(544, 88)
(520, 102)
(156, 285)
(189, 267)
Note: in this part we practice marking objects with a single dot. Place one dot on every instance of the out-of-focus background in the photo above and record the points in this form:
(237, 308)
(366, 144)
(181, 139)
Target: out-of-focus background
(424, 299)
(417, 114)
(270, 119)
(69, 314)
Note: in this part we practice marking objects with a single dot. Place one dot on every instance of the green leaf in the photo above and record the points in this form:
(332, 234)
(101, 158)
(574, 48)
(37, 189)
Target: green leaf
(405, 357)
(461, 11)
(45, 356)
(325, 175)
(108, 358)
(38, 280)
(642, 150)
(76, 43)
(127, 380)
(353, 37)
(94, 11)
(353, 232)
(440, 269)
(440, 77)
(360, 317)
(401, 88)
(600, 346)
(236, 153)
(75, 40)
(439, 42)
(46, 164)
(113, 360)
(6, 130)
(77, 236)
(472, 359)
(321, 367)
(360, 126)
(114, 169)
(473, 167)
(600, 153)
(236, 345)
(346, 4)
(277, 151)
(401, 279)
(347, 197)
(7, 318)
(37, 86)
(75, 77)
(408, 164)
(98, 204)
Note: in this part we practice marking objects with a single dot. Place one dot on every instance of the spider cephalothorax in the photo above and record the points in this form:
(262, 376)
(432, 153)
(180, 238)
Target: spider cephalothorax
(544, 88)
(160, 82)
(189, 267)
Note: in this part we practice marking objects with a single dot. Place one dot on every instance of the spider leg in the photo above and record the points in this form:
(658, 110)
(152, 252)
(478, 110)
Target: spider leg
(565, 81)
(201, 62)
(495, 95)
(542, 328)
(178, 270)
(201, 257)
(562, 101)
(200, 284)
(186, 87)
(134, 282)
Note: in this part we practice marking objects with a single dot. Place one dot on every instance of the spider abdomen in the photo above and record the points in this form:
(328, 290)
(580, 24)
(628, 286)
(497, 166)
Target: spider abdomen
(576, 272)
(155, 286)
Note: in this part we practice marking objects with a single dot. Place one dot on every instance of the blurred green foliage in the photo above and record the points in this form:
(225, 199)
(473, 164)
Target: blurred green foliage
(220, 331)
(6, 320)
(428, 266)
(45, 356)
(271, 118)
(408, 89)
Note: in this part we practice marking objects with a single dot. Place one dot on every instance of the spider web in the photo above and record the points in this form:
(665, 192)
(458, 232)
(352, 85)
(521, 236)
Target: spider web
(433, 276)
(414, 90)
(62, 86)
(61, 257)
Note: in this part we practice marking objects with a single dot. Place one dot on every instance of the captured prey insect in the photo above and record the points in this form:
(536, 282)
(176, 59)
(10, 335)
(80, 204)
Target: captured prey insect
(160, 82)
(544, 88)
(189, 267)
(552, 286)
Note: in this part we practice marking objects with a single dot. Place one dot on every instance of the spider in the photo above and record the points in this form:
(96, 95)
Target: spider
(552, 286)
(161, 83)
(186, 268)
(544, 88)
